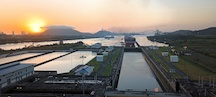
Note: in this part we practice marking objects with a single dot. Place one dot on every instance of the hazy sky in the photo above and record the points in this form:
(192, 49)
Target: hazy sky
(115, 15)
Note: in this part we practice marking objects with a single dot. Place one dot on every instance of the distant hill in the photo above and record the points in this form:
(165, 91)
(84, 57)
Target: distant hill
(103, 33)
(182, 32)
(208, 31)
(63, 32)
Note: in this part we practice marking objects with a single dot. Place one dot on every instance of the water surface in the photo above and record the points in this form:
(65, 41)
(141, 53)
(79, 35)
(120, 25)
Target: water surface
(135, 74)
(68, 62)
(44, 58)
(17, 57)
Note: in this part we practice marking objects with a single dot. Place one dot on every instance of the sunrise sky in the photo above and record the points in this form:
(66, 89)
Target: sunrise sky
(114, 15)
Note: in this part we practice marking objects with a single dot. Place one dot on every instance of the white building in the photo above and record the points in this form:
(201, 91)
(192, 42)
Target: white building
(87, 70)
(109, 48)
(174, 58)
(105, 53)
(99, 58)
(164, 54)
(14, 72)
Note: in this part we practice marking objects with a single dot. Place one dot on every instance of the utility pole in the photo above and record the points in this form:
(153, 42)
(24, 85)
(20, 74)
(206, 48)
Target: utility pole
(202, 82)
(199, 80)
(209, 80)
(213, 82)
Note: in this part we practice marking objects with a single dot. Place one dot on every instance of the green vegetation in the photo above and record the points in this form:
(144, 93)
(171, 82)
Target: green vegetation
(190, 68)
(4, 39)
(114, 58)
(96, 64)
(58, 47)
(202, 60)
(159, 60)
(201, 44)
(107, 70)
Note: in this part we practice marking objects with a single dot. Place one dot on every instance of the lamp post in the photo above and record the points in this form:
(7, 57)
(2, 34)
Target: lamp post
(164, 43)
(83, 57)
(83, 84)
(83, 72)
(185, 47)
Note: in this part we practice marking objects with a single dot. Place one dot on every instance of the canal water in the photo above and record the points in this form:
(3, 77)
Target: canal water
(136, 75)
(68, 62)
(17, 57)
(43, 58)
(143, 41)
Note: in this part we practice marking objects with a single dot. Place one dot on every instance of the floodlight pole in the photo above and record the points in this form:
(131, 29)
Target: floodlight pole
(83, 84)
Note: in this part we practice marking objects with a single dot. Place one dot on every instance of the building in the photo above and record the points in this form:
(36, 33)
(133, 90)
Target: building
(164, 54)
(86, 70)
(158, 33)
(22, 33)
(61, 42)
(174, 58)
(105, 53)
(109, 48)
(99, 58)
(14, 72)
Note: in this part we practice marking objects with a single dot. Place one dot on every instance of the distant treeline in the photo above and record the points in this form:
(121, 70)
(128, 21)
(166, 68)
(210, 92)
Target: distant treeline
(4, 39)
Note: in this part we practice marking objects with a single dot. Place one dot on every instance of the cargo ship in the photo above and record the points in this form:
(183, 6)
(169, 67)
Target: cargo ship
(129, 41)
(109, 36)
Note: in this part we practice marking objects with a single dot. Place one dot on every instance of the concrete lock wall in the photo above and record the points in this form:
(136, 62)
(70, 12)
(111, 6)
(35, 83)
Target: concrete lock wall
(160, 76)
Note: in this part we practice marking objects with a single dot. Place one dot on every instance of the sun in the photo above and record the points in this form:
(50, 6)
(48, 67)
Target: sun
(36, 28)
(36, 25)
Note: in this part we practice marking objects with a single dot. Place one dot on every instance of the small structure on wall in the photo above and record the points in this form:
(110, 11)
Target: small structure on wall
(105, 53)
(174, 58)
(164, 54)
(99, 58)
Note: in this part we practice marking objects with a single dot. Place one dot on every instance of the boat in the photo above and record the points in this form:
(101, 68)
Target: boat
(109, 36)
(129, 41)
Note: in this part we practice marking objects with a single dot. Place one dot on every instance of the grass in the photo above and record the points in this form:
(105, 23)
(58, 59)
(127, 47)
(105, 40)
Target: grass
(159, 60)
(191, 69)
(114, 58)
(166, 67)
(107, 70)
(109, 67)
(95, 64)
(202, 46)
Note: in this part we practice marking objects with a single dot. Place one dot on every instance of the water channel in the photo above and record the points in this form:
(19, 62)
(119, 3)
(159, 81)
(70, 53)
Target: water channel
(17, 57)
(68, 62)
(136, 74)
